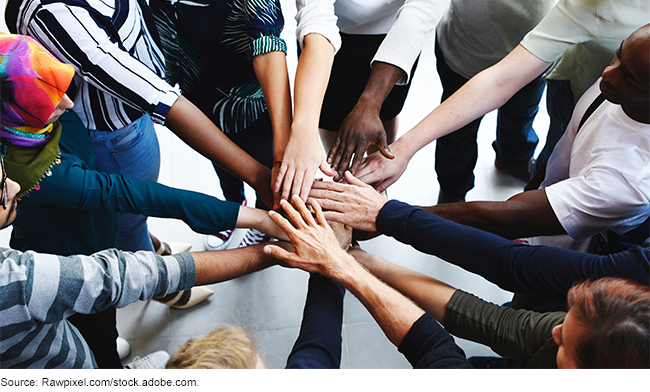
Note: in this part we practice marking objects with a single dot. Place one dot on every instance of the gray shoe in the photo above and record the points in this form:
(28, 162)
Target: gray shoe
(156, 360)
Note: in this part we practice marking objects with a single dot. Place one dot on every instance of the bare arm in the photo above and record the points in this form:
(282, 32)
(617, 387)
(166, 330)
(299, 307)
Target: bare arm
(318, 250)
(223, 265)
(430, 294)
(483, 93)
(525, 214)
(304, 154)
(194, 128)
(271, 71)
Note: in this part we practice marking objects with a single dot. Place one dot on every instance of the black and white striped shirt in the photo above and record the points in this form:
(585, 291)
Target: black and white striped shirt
(39, 291)
(114, 47)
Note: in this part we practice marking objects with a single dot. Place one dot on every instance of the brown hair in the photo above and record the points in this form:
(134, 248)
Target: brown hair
(617, 313)
(229, 347)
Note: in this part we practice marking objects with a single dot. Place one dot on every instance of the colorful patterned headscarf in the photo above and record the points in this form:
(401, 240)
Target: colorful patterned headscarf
(33, 84)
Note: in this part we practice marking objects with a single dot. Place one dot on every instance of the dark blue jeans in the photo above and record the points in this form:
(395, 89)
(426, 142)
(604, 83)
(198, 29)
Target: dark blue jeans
(516, 140)
(559, 104)
(257, 141)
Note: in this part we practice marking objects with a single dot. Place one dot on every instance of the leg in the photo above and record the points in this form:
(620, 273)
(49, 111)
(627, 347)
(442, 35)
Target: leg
(559, 104)
(100, 332)
(457, 152)
(134, 152)
(516, 139)
(319, 343)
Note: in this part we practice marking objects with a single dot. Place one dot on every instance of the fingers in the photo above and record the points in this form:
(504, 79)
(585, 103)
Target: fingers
(320, 218)
(352, 180)
(306, 215)
(334, 148)
(288, 182)
(280, 178)
(307, 182)
(282, 223)
(326, 169)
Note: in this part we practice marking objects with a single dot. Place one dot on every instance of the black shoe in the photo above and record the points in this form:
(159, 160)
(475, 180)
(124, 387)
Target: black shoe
(486, 362)
(444, 198)
(521, 171)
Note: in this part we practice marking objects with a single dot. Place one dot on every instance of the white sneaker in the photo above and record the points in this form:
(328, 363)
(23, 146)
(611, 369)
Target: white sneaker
(123, 348)
(156, 360)
(219, 241)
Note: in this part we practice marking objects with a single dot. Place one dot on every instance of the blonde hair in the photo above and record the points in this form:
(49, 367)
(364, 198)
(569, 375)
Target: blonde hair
(229, 347)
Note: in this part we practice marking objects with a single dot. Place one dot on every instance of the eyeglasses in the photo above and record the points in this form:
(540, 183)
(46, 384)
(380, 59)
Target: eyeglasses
(4, 176)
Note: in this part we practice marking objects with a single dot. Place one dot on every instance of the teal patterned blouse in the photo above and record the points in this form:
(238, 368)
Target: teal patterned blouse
(209, 46)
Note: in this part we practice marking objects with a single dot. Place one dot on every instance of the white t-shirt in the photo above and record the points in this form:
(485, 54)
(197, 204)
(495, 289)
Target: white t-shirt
(408, 24)
(600, 179)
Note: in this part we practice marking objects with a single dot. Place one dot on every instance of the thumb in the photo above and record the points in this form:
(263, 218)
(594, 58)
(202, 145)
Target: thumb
(277, 252)
(384, 148)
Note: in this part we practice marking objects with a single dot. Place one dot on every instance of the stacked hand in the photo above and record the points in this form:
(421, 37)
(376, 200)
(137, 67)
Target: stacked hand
(360, 129)
(316, 248)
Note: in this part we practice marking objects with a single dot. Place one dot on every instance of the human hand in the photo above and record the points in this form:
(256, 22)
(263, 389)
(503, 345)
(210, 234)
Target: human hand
(360, 129)
(302, 157)
(375, 169)
(343, 233)
(354, 204)
(316, 248)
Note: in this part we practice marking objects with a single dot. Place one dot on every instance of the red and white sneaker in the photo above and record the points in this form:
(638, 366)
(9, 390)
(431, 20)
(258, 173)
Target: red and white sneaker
(254, 237)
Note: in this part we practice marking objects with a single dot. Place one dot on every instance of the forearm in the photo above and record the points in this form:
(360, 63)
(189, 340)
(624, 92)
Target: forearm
(271, 71)
(483, 93)
(394, 313)
(195, 129)
(526, 214)
(219, 266)
(430, 294)
(312, 76)
(380, 83)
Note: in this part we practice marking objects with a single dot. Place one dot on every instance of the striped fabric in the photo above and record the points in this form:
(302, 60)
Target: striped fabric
(114, 48)
(39, 291)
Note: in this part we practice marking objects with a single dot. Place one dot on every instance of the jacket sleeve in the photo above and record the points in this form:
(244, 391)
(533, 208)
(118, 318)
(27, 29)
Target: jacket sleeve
(49, 288)
(517, 334)
(428, 346)
(75, 187)
(544, 271)
(265, 24)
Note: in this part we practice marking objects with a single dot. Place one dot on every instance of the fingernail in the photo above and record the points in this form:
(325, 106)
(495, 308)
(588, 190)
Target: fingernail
(275, 207)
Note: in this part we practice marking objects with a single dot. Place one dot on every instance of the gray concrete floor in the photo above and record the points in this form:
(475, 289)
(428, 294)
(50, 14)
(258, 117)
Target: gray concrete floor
(270, 302)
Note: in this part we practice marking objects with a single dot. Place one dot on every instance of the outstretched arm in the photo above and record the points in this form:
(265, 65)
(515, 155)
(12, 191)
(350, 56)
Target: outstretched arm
(194, 128)
(271, 71)
(304, 154)
(483, 93)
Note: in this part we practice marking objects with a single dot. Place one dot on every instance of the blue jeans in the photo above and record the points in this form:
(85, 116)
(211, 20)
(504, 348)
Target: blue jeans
(559, 104)
(132, 151)
(516, 140)
(257, 141)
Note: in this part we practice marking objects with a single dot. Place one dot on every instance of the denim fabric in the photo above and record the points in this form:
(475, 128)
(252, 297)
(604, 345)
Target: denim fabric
(456, 153)
(559, 104)
(132, 151)
(257, 141)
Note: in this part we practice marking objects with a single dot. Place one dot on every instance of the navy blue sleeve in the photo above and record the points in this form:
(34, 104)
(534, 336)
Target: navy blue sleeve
(544, 271)
(428, 346)
(319, 343)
